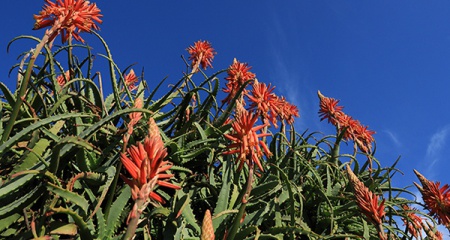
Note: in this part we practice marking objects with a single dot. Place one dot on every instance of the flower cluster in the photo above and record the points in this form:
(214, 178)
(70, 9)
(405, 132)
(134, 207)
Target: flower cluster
(436, 199)
(263, 103)
(201, 53)
(131, 80)
(354, 130)
(366, 200)
(238, 74)
(412, 222)
(270, 106)
(246, 140)
(145, 163)
(69, 17)
(431, 231)
(134, 119)
(63, 78)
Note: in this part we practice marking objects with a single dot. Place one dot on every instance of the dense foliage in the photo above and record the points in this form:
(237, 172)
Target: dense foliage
(214, 156)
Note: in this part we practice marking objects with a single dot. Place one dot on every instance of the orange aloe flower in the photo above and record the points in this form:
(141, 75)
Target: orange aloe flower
(134, 119)
(238, 74)
(145, 163)
(431, 231)
(436, 199)
(264, 102)
(354, 130)
(201, 53)
(367, 202)
(346, 122)
(62, 79)
(246, 141)
(412, 222)
(438, 235)
(136, 116)
(131, 80)
(363, 137)
(70, 16)
(329, 109)
(287, 111)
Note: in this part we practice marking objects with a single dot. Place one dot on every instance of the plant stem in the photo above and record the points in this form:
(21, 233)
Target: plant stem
(134, 221)
(112, 189)
(25, 82)
(238, 217)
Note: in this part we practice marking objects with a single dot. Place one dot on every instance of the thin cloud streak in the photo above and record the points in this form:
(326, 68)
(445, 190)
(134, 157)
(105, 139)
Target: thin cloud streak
(435, 148)
(393, 138)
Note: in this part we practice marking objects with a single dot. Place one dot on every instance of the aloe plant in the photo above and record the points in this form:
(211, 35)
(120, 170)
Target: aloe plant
(198, 162)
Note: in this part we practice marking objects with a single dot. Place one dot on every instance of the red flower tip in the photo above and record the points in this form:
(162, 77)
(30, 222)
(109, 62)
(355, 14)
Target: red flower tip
(329, 109)
(264, 102)
(287, 111)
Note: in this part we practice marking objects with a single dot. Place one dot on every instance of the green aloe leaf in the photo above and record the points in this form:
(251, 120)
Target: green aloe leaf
(27, 198)
(43, 122)
(112, 223)
(69, 196)
(85, 233)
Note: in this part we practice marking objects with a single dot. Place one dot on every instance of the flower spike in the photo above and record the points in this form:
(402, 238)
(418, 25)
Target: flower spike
(202, 54)
(436, 199)
(367, 202)
(246, 140)
(145, 163)
(70, 16)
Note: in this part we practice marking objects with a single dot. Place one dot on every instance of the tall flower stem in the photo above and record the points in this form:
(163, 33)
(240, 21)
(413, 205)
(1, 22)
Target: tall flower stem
(25, 82)
(336, 147)
(238, 217)
(380, 231)
(112, 189)
(140, 204)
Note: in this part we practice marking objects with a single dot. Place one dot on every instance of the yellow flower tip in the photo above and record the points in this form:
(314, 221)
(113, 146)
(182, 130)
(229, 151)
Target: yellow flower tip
(153, 129)
(418, 186)
(207, 227)
(352, 177)
(320, 95)
(138, 103)
(421, 178)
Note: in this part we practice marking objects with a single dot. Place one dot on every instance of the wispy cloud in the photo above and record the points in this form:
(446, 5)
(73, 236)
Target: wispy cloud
(435, 148)
(394, 138)
(285, 73)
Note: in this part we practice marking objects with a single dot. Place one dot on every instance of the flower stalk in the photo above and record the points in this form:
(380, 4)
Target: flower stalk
(26, 79)
(367, 202)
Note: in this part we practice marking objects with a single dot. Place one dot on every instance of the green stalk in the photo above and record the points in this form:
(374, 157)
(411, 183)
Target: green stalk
(25, 82)
(134, 221)
(337, 143)
(237, 219)
(112, 190)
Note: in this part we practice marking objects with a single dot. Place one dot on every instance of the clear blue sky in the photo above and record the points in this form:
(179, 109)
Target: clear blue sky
(387, 61)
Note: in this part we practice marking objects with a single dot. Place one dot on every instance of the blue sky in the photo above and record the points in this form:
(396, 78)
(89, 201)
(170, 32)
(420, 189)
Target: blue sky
(387, 61)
